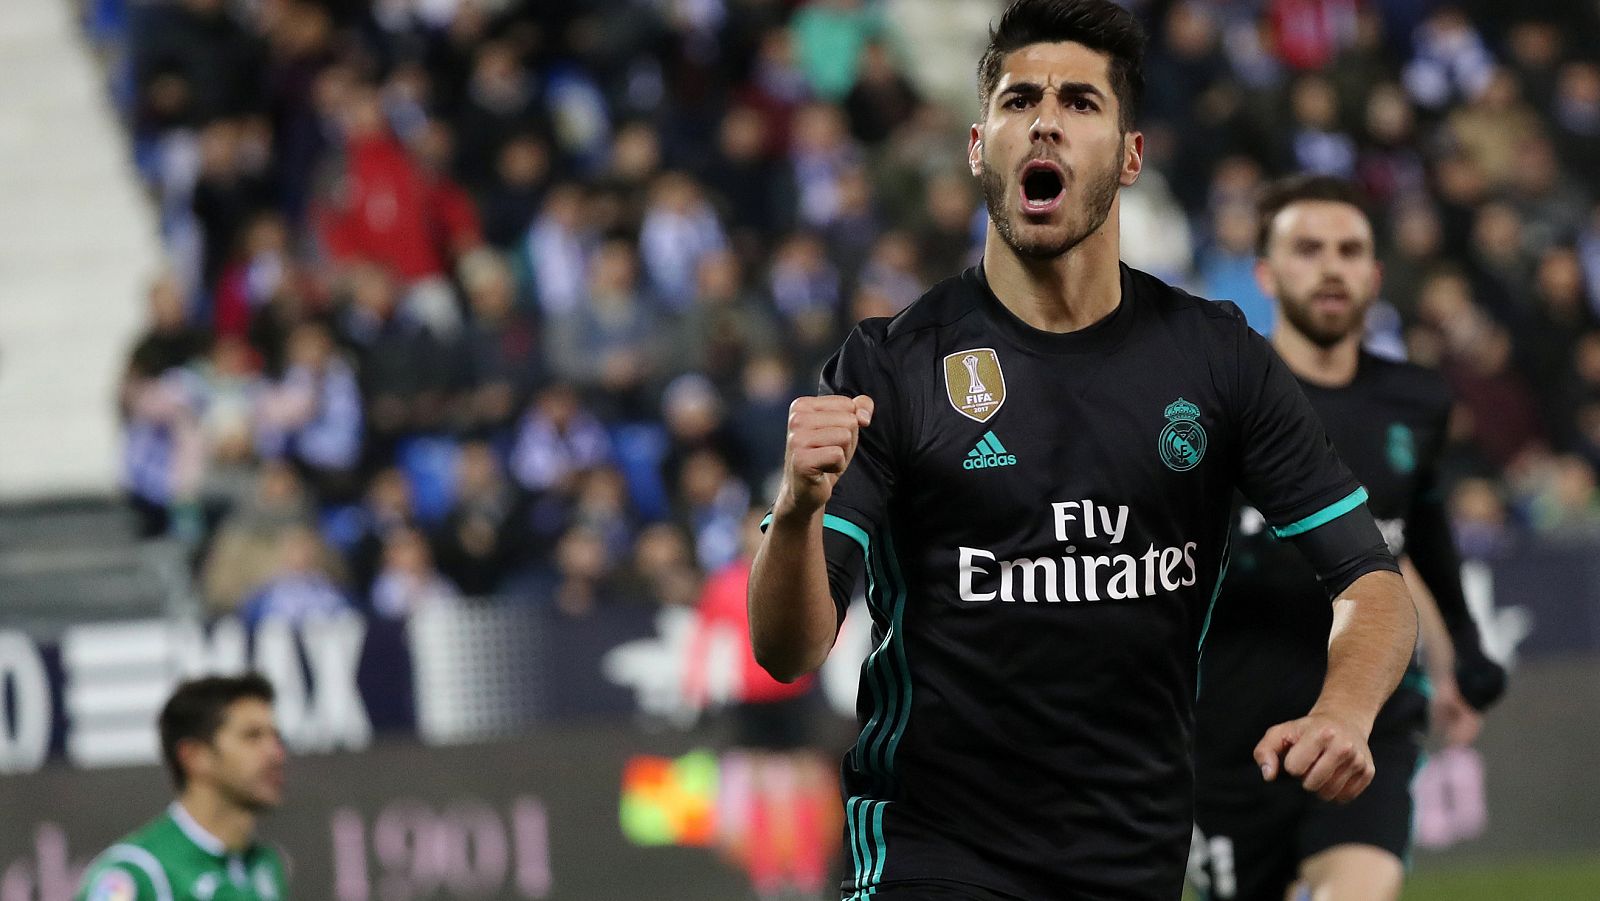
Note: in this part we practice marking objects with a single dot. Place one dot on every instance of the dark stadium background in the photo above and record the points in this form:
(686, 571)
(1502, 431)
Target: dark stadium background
(472, 324)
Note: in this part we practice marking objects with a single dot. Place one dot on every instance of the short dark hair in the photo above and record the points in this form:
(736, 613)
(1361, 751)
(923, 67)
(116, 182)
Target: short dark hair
(1100, 25)
(1299, 189)
(196, 709)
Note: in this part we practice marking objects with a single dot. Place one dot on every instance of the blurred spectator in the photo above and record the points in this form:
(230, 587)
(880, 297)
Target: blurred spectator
(679, 231)
(253, 275)
(1227, 268)
(1548, 339)
(1416, 247)
(169, 341)
(1388, 166)
(1316, 143)
(408, 580)
(558, 251)
(1479, 520)
(1450, 61)
(480, 543)
(388, 506)
(558, 440)
(821, 153)
(1576, 108)
(713, 504)
(229, 386)
(300, 588)
(1503, 418)
(522, 172)
(498, 359)
(752, 188)
(1499, 262)
(583, 579)
(1552, 205)
(829, 36)
(807, 292)
(759, 421)
(499, 100)
(386, 208)
(401, 364)
(1494, 125)
(231, 188)
(693, 413)
(163, 449)
(1308, 34)
(882, 99)
(607, 344)
(662, 570)
(725, 325)
(1567, 504)
(245, 551)
(312, 416)
(1535, 50)
(946, 238)
(193, 62)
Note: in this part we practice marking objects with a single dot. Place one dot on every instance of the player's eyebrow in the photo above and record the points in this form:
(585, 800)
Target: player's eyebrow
(1065, 89)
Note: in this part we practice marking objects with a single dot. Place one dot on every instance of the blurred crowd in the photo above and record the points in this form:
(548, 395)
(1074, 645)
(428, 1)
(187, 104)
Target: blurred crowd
(496, 298)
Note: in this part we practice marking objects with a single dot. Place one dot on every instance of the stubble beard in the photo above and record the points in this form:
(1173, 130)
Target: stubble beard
(1100, 192)
(1324, 334)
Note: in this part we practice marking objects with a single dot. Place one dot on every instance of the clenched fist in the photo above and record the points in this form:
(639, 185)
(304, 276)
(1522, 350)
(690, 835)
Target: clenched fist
(822, 440)
(1330, 757)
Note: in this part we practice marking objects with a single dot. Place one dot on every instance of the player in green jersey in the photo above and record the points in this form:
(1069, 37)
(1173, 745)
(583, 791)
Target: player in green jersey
(226, 758)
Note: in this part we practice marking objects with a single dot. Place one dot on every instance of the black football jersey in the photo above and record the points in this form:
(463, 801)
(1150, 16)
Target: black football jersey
(1044, 519)
(1268, 647)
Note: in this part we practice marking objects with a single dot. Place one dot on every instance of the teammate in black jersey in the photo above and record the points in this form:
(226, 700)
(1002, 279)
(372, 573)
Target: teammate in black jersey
(1036, 461)
(1267, 646)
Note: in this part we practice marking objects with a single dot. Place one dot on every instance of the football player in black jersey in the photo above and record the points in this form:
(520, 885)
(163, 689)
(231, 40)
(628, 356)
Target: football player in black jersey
(1266, 650)
(1035, 465)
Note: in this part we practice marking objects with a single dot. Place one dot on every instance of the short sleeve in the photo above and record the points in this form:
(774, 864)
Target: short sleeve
(859, 504)
(1291, 473)
(117, 881)
(861, 497)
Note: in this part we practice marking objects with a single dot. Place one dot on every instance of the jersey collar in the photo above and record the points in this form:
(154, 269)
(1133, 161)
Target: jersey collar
(1101, 336)
(195, 832)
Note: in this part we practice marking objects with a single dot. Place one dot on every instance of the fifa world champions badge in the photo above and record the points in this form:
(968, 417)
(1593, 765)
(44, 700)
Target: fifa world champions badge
(974, 383)
(1183, 441)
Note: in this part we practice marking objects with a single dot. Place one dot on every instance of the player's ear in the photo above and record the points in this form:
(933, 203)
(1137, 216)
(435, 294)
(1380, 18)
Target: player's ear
(1132, 157)
(194, 757)
(975, 149)
(1263, 275)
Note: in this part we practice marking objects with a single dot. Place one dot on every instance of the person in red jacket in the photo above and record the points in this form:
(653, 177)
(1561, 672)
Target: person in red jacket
(778, 810)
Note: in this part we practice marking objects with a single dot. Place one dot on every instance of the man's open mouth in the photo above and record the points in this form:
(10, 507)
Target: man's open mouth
(1043, 186)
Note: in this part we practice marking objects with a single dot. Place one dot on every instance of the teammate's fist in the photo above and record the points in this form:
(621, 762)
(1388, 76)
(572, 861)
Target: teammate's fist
(1329, 756)
(823, 432)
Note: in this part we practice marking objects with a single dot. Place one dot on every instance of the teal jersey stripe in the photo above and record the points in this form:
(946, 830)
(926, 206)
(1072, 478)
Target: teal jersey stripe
(994, 441)
(1419, 683)
(1205, 627)
(876, 672)
(899, 647)
(877, 838)
(848, 529)
(837, 523)
(1324, 516)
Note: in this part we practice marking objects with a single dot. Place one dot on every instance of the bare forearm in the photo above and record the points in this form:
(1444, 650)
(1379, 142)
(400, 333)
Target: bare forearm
(1438, 653)
(792, 618)
(1373, 636)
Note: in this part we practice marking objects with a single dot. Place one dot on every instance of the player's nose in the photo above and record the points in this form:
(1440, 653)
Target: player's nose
(1047, 125)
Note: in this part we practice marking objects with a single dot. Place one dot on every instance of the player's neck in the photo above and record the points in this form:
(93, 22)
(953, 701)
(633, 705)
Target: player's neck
(229, 823)
(1063, 294)
(1328, 367)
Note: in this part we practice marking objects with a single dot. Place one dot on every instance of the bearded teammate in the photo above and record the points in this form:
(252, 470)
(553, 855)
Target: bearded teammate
(226, 759)
(1265, 655)
(1036, 462)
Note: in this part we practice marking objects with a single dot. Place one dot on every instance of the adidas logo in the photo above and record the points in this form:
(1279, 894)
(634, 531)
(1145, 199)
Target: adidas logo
(989, 453)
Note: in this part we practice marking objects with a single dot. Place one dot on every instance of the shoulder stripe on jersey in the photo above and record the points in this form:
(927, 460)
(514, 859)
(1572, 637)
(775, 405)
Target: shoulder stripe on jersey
(1324, 516)
(144, 860)
(846, 528)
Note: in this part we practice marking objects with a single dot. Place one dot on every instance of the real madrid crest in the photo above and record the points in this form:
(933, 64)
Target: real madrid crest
(974, 382)
(1183, 441)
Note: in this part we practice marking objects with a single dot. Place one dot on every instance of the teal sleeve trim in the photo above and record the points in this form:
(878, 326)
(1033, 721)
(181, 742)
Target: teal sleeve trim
(846, 528)
(1419, 683)
(1324, 516)
(837, 523)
